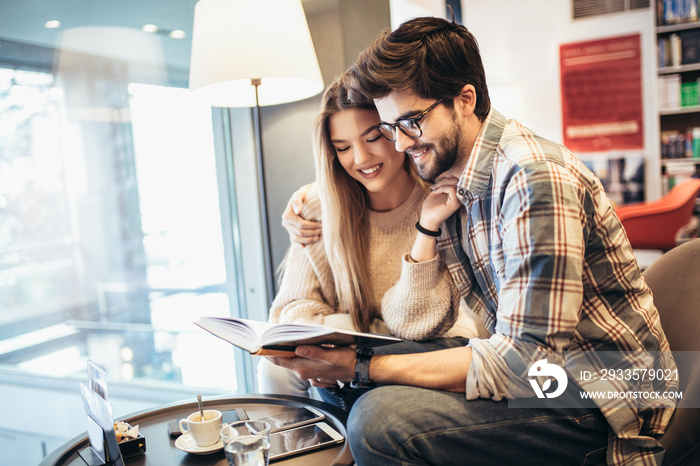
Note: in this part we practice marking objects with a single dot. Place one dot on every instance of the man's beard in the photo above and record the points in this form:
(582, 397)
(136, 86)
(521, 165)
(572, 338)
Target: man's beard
(445, 155)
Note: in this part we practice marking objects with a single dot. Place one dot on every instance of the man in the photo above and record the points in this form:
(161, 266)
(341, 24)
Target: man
(537, 253)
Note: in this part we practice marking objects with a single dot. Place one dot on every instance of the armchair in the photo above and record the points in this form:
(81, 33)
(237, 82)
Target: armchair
(654, 224)
(673, 280)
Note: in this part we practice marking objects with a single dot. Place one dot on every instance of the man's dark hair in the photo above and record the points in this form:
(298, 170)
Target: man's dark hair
(431, 56)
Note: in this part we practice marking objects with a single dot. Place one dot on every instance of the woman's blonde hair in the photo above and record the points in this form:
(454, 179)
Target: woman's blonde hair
(344, 208)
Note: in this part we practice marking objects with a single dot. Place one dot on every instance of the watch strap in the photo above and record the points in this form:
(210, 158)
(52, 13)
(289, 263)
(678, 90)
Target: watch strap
(361, 379)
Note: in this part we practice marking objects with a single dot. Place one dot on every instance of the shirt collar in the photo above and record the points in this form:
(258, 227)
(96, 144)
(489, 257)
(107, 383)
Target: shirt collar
(475, 178)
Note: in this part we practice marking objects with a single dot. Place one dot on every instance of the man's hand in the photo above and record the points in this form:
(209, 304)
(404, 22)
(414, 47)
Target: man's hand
(440, 203)
(300, 231)
(322, 366)
(440, 370)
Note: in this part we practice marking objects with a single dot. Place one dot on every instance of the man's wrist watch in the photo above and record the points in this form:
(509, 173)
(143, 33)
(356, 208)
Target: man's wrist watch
(361, 379)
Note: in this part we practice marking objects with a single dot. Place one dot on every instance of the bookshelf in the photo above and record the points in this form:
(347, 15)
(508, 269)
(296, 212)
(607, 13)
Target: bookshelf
(678, 69)
(680, 110)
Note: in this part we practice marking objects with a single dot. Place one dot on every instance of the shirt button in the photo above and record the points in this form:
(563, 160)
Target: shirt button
(460, 191)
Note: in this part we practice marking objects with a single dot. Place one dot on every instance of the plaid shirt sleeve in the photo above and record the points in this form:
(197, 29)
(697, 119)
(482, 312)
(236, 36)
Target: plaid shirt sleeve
(527, 286)
(539, 255)
(538, 265)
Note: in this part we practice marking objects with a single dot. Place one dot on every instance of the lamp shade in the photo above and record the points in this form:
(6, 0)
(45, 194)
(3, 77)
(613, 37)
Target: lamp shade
(234, 41)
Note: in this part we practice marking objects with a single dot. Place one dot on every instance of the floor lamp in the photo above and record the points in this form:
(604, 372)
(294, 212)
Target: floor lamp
(253, 53)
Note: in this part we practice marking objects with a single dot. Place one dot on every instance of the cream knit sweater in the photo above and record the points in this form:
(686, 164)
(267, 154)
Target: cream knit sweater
(418, 301)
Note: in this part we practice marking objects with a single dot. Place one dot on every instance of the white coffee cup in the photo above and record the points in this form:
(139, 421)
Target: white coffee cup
(206, 432)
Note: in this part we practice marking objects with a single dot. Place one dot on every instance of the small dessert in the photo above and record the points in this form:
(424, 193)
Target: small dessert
(125, 432)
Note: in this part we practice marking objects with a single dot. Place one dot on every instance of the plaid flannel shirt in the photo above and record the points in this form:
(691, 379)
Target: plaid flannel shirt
(539, 255)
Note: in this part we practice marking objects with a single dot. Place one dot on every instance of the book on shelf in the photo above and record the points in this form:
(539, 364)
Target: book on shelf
(674, 93)
(676, 11)
(670, 51)
(679, 48)
(690, 46)
(664, 52)
(670, 91)
(669, 180)
(689, 94)
(681, 145)
(268, 339)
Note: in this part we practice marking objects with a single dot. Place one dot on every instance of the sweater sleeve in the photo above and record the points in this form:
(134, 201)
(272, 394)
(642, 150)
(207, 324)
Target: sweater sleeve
(306, 294)
(424, 303)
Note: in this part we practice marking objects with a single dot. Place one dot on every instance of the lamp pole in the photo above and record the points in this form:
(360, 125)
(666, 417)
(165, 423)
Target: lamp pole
(262, 198)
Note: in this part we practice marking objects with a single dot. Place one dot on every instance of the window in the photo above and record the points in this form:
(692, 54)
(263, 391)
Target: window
(115, 217)
(111, 258)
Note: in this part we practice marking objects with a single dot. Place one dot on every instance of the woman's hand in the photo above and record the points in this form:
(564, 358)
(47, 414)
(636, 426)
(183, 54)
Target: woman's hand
(437, 207)
(440, 203)
(301, 231)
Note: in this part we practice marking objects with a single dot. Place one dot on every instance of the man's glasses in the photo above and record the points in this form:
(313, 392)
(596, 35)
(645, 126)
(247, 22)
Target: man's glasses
(408, 126)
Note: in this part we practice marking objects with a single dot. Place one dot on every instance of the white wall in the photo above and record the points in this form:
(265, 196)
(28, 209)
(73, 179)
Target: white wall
(520, 41)
(340, 29)
(402, 10)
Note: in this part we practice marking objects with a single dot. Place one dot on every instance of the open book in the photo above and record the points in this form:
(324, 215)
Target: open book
(266, 339)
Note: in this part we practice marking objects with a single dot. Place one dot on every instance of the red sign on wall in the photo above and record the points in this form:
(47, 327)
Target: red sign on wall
(601, 89)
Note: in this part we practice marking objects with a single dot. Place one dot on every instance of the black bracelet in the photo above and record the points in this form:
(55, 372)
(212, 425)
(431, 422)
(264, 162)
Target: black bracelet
(425, 231)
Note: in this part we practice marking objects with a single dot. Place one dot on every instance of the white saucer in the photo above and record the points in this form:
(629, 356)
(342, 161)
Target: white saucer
(185, 442)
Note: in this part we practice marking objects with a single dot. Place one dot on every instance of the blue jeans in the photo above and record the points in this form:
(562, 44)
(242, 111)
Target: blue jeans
(400, 425)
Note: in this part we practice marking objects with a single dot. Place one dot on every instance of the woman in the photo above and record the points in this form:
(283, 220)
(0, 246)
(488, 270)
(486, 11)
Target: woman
(361, 275)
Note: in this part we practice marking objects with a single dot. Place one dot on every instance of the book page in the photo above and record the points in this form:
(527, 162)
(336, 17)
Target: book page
(253, 335)
(242, 333)
(298, 334)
